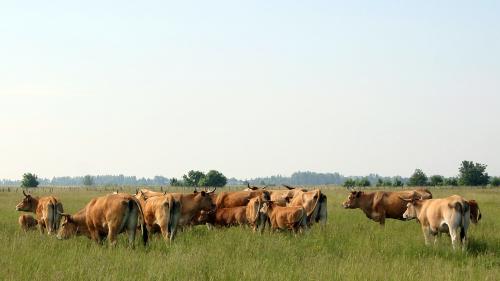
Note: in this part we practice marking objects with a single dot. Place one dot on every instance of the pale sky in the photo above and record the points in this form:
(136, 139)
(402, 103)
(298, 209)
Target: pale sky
(250, 89)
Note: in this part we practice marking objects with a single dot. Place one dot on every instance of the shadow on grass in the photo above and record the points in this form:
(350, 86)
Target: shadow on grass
(478, 247)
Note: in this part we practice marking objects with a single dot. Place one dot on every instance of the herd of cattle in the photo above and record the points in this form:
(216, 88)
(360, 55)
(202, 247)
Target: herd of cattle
(292, 209)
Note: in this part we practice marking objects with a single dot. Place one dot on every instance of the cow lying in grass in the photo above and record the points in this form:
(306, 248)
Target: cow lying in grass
(27, 222)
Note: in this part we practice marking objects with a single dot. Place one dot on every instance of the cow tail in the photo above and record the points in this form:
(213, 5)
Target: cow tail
(144, 230)
(51, 217)
(174, 208)
(462, 207)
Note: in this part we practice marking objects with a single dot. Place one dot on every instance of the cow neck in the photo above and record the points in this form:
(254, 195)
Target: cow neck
(188, 203)
(35, 201)
(418, 208)
(80, 219)
(366, 201)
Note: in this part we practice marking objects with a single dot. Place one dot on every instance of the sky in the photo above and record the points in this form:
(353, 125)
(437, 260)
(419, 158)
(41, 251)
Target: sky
(249, 88)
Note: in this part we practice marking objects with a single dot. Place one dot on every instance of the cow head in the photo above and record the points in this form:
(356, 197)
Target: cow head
(352, 201)
(204, 199)
(68, 227)
(310, 200)
(28, 204)
(475, 213)
(412, 207)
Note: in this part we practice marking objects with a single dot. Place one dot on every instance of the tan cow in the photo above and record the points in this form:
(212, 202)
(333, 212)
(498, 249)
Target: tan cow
(475, 212)
(447, 215)
(380, 205)
(46, 209)
(186, 207)
(314, 202)
(157, 211)
(255, 218)
(290, 218)
(109, 216)
(27, 222)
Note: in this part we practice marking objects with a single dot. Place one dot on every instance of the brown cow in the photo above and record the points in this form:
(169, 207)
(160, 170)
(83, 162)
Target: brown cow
(239, 198)
(27, 222)
(291, 218)
(107, 215)
(186, 207)
(157, 213)
(225, 216)
(380, 205)
(449, 215)
(475, 213)
(46, 209)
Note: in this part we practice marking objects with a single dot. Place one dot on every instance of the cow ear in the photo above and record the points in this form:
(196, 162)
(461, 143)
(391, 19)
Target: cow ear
(203, 193)
(358, 193)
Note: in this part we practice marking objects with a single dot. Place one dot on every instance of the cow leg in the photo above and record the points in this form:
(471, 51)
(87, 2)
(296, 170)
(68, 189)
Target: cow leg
(427, 235)
(41, 224)
(164, 231)
(454, 236)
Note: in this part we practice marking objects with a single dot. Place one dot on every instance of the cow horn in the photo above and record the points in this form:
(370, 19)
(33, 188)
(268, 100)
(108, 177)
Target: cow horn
(25, 193)
(136, 191)
(288, 187)
(248, 185)
(264, 187)
(212, 191)
(165, 193)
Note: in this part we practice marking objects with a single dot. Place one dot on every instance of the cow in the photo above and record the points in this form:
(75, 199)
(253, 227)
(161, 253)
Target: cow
(475, 213)
(225, 216)
(157, 213)
(285, 218)
(27, 222)
(46, 209)
(146, 193)
(109, 216)
(255, 218)
(380, 205)
(186, 208)
(446, 215)
(314, 202)
(239, 198)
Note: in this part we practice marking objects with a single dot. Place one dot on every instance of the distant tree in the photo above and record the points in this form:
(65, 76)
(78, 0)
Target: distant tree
(88, 180)
(452, 181)
(349, 183)
(418, 178)
(473, 174)
(213, 178)
(380, 182)
(29, 180)
(363, 182)
(175, 182)
(398, 182)
(387, 183)
(436, 180)
(193, 178)
(495, 181)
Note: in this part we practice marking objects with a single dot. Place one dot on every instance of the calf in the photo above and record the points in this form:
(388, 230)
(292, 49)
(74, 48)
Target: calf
(27, 222)
(291, 218)
(449, 215)
(106, 216)
(46, 209)
(380, 205)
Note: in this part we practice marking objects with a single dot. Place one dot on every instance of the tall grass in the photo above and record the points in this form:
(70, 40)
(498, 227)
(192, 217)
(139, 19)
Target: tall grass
(351, 247)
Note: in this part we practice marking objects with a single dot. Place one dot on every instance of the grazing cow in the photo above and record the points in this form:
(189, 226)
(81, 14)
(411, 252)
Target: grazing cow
(380, 205)
(449, 215)
(225, 216)
(291, 218)
(46, 209)
(314, 202)
(108, 216)
(475, 213)
(27, 222)
(239, 198)
(255, 218)
(186, 208)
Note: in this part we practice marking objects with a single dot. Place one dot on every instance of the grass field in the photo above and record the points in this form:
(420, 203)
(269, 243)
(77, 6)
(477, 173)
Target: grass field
(351, 247)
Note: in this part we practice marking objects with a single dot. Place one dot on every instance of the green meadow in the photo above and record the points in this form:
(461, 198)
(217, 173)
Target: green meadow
(350, 247)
